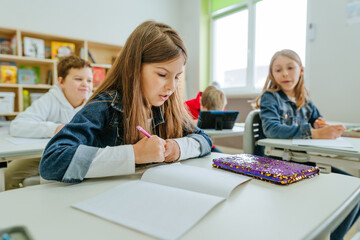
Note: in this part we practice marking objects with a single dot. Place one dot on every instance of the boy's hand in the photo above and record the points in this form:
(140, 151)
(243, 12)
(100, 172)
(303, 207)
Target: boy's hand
(59, 128)
(149, 150)
(172, 150)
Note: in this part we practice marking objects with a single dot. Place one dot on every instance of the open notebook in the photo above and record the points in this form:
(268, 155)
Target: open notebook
(167, 201)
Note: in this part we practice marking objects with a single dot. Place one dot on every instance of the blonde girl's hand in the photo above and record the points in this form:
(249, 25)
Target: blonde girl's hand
(320, 123)
(172, 150)
(328, 132)
(149, 150)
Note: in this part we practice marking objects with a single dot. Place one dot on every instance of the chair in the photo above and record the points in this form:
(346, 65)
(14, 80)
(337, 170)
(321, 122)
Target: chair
(252, 131)
(31, 181)
(35, 180)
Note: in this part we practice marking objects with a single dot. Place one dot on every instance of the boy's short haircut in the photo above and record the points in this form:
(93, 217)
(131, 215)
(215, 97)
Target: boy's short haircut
(213, 99)
(67, 63)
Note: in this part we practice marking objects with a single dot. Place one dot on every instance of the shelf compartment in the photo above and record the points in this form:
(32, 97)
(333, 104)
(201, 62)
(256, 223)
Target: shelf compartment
(102, 53)
(49, 38)
(9, 34)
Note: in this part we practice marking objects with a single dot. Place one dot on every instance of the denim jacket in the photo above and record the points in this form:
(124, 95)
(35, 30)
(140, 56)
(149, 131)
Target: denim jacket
(281, 118)
(91, 145)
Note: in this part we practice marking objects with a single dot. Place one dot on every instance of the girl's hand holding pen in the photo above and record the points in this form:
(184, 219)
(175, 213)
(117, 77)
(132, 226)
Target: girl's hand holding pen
(149, 150)
(320, 123)
(172, 150)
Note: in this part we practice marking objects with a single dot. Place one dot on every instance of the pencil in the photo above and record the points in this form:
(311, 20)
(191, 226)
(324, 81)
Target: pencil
(143, 131)
(322, 122)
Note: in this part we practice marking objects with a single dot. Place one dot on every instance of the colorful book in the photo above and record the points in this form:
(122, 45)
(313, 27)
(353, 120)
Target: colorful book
(8, 72)
(98, 75)
(5, 46)
(61, 49)
(266, 169)
(28, 75)
(34, 47)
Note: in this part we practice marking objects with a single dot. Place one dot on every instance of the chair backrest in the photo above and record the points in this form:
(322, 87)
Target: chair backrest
(252, 131)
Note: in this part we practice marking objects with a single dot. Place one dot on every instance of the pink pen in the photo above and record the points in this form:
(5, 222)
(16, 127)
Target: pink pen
(143, 131)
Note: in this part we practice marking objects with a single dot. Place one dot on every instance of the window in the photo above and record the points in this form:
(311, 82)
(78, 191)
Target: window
(245, 37)
(230, 52)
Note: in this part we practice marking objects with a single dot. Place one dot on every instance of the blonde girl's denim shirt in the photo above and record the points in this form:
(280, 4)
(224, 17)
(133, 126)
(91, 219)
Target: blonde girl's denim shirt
(281, 118)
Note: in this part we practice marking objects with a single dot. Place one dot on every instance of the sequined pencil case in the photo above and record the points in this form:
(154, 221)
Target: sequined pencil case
(266, 169)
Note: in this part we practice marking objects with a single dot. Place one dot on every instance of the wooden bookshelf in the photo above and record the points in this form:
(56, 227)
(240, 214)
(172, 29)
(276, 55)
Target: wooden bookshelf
(102, 53)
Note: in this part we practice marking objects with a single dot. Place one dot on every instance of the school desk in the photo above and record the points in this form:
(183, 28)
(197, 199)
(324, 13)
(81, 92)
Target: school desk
(324, 157)
(9, 149)
(237, 130)
(308, 209)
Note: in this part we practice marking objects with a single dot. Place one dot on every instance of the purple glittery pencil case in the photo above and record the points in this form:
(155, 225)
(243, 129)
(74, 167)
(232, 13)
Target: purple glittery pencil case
(266, 169)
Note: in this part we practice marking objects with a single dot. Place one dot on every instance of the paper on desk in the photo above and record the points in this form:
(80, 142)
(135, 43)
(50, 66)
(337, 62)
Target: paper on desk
(24, 141)
(165, 203)
(158, 210)
(328, 143)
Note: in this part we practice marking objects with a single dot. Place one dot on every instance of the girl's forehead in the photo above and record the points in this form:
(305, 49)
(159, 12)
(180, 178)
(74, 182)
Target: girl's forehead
(283, 60)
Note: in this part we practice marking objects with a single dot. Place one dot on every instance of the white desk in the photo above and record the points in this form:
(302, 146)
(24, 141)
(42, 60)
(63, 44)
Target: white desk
(237, 130)
(324, 157)
(308, 209)
(8, 149)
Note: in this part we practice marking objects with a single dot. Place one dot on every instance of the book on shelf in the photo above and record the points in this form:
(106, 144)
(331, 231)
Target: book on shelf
(8, 72)
(28, 75)
(61, 49)
(98, 75)
(34, 47)
(5, 46)
(91, 56)
(168, 200)
(49, 77)
(13, 44)
(47, 52)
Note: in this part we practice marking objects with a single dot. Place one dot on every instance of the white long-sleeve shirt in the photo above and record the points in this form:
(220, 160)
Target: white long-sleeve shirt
(41, 119)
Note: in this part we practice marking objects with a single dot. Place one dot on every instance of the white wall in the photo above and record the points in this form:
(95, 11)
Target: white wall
(109, 21)
(190, 30)
(333, 61)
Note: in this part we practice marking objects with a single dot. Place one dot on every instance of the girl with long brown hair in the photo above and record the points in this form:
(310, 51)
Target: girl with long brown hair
(141, 89)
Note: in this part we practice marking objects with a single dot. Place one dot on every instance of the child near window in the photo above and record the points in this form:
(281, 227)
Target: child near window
(286, 111)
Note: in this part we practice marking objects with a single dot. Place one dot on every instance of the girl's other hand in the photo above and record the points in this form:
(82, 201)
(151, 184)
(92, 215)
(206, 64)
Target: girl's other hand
(320, 123)
(172, 150)
(328, 132)
(149, 150)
